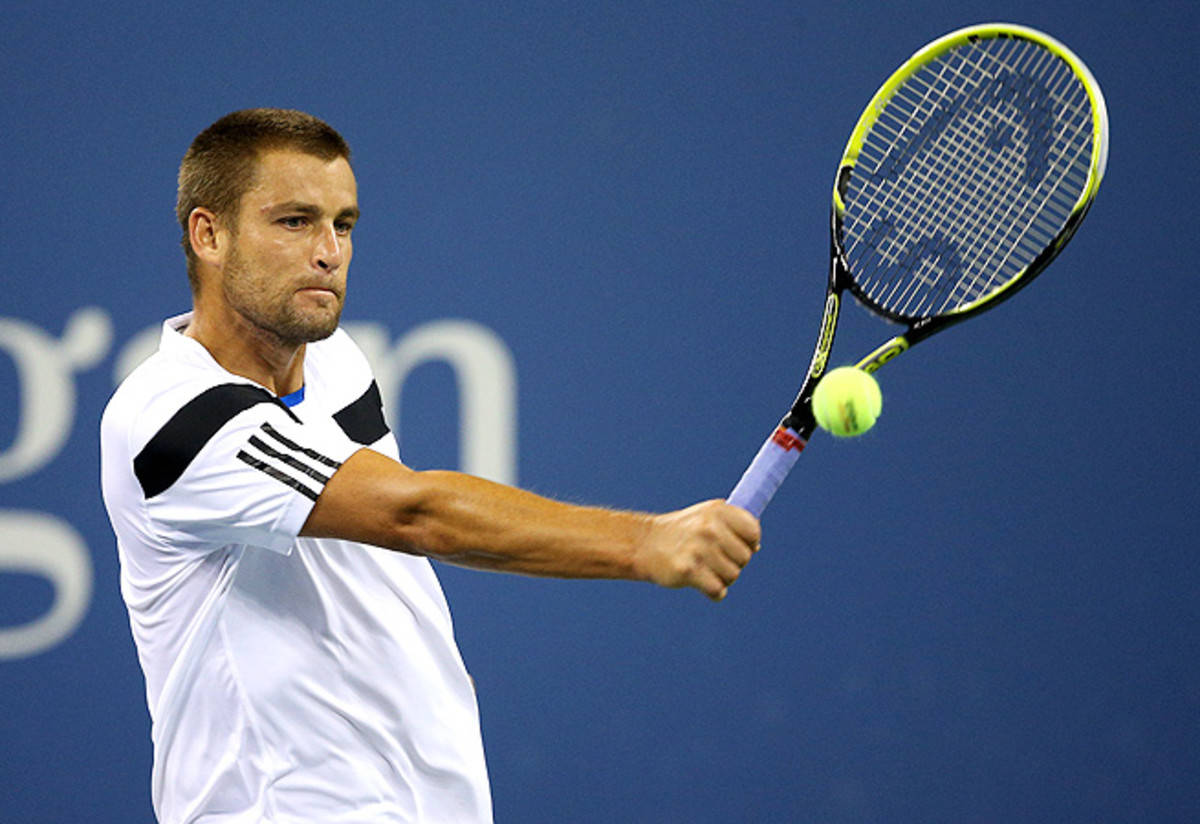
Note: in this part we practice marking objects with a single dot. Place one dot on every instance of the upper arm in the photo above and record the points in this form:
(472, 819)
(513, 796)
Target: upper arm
(371, 498)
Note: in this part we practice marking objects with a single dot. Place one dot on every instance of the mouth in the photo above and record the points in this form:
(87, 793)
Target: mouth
(318, 290)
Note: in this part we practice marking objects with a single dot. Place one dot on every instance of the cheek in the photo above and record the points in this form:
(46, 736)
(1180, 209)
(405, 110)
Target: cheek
(277, 263)
(278, 251)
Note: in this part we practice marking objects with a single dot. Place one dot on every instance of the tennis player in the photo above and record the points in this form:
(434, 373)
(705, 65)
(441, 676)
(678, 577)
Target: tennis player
(298, 652)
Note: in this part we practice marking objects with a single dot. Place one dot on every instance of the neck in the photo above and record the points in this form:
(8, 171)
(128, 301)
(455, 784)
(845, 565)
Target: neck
(248, 350)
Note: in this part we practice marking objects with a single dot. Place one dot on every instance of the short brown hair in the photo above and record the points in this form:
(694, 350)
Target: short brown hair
(220, 164)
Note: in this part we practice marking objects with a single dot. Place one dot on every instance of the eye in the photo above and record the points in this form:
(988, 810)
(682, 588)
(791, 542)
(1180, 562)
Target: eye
(294, 221)
(343, 227)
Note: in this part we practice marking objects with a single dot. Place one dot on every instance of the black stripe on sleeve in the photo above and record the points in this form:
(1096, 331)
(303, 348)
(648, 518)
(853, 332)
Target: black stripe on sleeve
(362, 420)
(291, 461)
(176, 444)
(282, 477)
(295, 447)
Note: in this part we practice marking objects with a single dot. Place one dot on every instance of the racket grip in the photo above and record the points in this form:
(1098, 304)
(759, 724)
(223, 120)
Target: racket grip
(766, 472)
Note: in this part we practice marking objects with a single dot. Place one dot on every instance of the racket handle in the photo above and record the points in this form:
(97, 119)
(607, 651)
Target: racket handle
(766, 472)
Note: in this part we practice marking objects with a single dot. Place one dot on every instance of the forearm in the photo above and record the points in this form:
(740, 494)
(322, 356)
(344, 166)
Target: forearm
(473, 522)
(470, 521)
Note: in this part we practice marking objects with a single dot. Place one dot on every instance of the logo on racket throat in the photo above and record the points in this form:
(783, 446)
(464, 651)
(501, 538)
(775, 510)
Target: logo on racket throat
(871, 363)
(825, 339)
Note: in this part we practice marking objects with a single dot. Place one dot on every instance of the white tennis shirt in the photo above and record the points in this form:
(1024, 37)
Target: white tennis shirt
(290, 680)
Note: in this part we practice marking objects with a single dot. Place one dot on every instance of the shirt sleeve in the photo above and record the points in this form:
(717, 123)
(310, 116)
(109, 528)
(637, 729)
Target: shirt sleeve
(235, 468)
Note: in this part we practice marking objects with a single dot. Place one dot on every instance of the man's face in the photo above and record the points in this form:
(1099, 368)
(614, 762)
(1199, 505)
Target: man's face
(285, 272)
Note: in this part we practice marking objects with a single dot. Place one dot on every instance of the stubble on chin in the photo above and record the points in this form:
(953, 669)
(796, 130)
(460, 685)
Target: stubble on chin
(278, 317)
(303, 324)
(292, 326)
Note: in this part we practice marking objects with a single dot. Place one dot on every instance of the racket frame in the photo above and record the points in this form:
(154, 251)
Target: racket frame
(780, 451)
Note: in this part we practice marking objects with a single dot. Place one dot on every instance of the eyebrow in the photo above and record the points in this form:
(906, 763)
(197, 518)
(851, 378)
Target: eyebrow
(299, 207)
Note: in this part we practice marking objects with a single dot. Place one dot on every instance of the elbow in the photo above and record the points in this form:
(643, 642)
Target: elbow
(418, 522)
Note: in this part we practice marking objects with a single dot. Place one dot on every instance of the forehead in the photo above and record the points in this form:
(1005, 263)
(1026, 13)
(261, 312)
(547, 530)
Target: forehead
(289, 175)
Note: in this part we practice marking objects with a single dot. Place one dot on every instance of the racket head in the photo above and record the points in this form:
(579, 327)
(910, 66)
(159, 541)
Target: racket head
(965, 175)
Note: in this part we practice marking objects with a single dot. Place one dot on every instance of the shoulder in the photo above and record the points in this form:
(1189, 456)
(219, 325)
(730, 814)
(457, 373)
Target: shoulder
(341, 376)
(148, 397)
(165, 384)
(339, 361)
(162, 417)
(169, 376)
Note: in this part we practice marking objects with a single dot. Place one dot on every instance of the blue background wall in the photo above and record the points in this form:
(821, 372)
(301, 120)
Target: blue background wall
(984, 610)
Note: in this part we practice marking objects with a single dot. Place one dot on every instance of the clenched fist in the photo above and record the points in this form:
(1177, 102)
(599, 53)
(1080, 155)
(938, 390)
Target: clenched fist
(704, 546)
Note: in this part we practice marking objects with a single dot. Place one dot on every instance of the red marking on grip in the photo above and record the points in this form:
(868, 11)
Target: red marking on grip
(781, 437)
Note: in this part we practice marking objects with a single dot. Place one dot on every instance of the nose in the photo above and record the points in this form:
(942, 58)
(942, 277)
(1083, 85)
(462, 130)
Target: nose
(328, 254)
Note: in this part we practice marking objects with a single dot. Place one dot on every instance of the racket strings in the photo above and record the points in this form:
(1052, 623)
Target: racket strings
(934, 250)
(971, 169)
(1051, 211)
(997, 213)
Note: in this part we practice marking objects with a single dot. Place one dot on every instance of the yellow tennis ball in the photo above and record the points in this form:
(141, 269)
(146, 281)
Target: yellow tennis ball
(847, 401)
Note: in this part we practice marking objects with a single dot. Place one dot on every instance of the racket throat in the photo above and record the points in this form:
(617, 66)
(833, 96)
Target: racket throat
(883, 354)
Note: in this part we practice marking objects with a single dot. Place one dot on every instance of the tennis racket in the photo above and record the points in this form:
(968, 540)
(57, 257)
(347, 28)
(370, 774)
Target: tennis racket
(967, 173)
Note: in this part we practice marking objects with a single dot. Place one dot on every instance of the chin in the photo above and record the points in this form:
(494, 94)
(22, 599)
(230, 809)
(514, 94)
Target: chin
(322, 333)
(308, 329)
(320, 330)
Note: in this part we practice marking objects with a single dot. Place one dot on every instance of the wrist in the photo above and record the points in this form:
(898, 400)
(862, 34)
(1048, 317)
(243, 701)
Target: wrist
(642, 559)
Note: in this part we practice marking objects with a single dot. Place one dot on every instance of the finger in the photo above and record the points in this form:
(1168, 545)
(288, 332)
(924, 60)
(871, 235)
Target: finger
(734, 547)
(725, 568)
(743, 524)
(710, 584)
(737, 551)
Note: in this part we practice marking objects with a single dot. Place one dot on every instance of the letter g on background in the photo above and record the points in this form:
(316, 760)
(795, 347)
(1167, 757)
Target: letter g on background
(36, 543)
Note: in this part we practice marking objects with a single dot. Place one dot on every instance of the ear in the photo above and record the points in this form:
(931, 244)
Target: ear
(205, 236)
